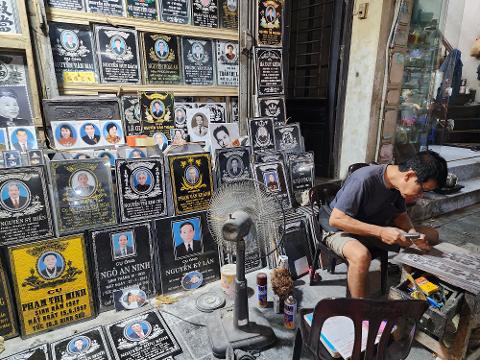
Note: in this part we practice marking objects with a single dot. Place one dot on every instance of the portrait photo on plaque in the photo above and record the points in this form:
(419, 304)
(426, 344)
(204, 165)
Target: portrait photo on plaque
(140, 189)
(112, 132)
(25, 212)
(157, 112)
(135, 153)
(175, 11)
(234, 117)
(273, 176)
(288, 138)
(35, 157)
(198, 122)
(77, 5)
(4, 145)
(66, 134)
(37, 352)
(198, 61)
(178, 136)
(269, 74)
(73, 54)
(205, 13)
(117, 51)
(122, 258)
(85, 345)
(143, 336)
(228, 13)
(15, 108)
(217, 111)
(161, 58)
(261, 134)
(12, 158)
(228, 55)
(8, 321)
(9, 20)
(129, 299)
(83, 195)
(108, 157)
(270, 22)
(90, 133)
(13, 69)
(51, 281)
(233, 164)
(192, 181)
(186, 246)
(223, 136)
(132, 114)
(107, 7)
(181, 114)
(22, 138)
(302, 176)
(272, 107)
(142, 9)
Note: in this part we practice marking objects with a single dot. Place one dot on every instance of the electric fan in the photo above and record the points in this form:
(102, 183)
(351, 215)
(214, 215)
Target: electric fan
(238, 212)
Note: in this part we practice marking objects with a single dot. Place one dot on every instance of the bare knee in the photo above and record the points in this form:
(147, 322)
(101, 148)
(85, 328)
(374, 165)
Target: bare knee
(357, 255)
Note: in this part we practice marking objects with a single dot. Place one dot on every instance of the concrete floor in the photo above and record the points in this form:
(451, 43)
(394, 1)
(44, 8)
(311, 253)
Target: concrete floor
(460, 228)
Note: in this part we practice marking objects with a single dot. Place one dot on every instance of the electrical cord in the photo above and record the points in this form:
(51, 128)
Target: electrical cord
(182, 319)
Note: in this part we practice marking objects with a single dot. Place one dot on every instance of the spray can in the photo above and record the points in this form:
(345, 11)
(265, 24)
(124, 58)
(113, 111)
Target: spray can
(277, 304)
(283, 262)
(289, 313)
(262, 289)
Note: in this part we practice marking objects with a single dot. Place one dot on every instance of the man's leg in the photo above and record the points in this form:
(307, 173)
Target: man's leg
(431, 234)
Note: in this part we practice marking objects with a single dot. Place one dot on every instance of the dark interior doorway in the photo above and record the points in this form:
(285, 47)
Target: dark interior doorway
(318, 37)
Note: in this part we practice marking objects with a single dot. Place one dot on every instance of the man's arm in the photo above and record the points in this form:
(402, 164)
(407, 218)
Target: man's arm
(388, 235)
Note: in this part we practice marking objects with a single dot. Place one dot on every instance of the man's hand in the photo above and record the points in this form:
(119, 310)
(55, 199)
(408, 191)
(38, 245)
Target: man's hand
(393, 235)
(422, 243)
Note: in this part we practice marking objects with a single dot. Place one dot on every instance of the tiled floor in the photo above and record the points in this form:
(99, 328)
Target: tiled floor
(460, 228)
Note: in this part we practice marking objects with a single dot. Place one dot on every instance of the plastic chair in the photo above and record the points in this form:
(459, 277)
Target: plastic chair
(394, 345)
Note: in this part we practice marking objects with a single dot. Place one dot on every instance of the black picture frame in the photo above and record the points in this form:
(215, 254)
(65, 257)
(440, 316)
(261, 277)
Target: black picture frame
(85, 345)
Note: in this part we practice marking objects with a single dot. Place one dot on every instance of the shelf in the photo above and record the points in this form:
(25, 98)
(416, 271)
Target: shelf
(13, 41)
(178, 90)
(78, 17)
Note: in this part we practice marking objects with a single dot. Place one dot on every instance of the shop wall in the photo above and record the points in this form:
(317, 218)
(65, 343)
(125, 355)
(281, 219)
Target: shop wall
(364, 85)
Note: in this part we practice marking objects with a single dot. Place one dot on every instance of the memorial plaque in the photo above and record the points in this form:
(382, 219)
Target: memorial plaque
(198, 121)
(73, 55)
(268, 156)
(129, 299)
(107, 7)
(117, 53)
(19, 111)
(132, 115)
(157, 112)
(270, 22)
(233, 164)
(181, 114)
(140, 189)
(261, 134)
(189, 255)
(228, 14)
(13, 69)
(296, 247)
(217, 111)
(143, 336)
(302, 176)
(35, 157)
(76, 5)
(274, 108)
(122, 259)
(9, 22)
(38, 352)
(205, 13)
(198, 61)
(24, 205)
(22, 138)
(234, 107)
(83, 195)
(175, 11)
(162, 58)
(269, 75)
(272, 175)
(143, 9)
(288, 138)
(51, 283)
(227, 63)
(223, 136)
(12, 158)
(8, 322)
(87, 345)
(192, 182)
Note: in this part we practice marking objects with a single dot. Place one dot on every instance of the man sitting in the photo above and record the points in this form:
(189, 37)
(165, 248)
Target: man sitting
(369, 210)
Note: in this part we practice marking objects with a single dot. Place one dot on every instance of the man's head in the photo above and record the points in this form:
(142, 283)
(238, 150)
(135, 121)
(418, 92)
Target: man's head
(69, 42)
(82, 179)
(187, 232)
(179, 114)
(118, 44)
(142, 178)
(222, 136)
(156, 106)
(161, 46)
(136, 154)
(13, 191)
(50, 261)
(192, 173)
(8, 104)
(234, 163)
(426, 171)
(229, 49)
(137, 327)
(65, 131)
(199, 120)
(112, 129)
(271, 178)
(90, 130)
(22, 136)
(79, 344)
(122, 241)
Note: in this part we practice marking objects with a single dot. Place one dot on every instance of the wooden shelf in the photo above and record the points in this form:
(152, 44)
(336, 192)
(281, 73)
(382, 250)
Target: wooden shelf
(13, 41)
(178, 90)
(78, 17)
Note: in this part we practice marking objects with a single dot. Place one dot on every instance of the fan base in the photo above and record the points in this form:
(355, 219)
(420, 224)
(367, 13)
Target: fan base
(257, 335)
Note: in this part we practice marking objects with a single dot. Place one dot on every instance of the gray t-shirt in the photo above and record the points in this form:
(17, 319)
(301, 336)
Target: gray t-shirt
(365, 197)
